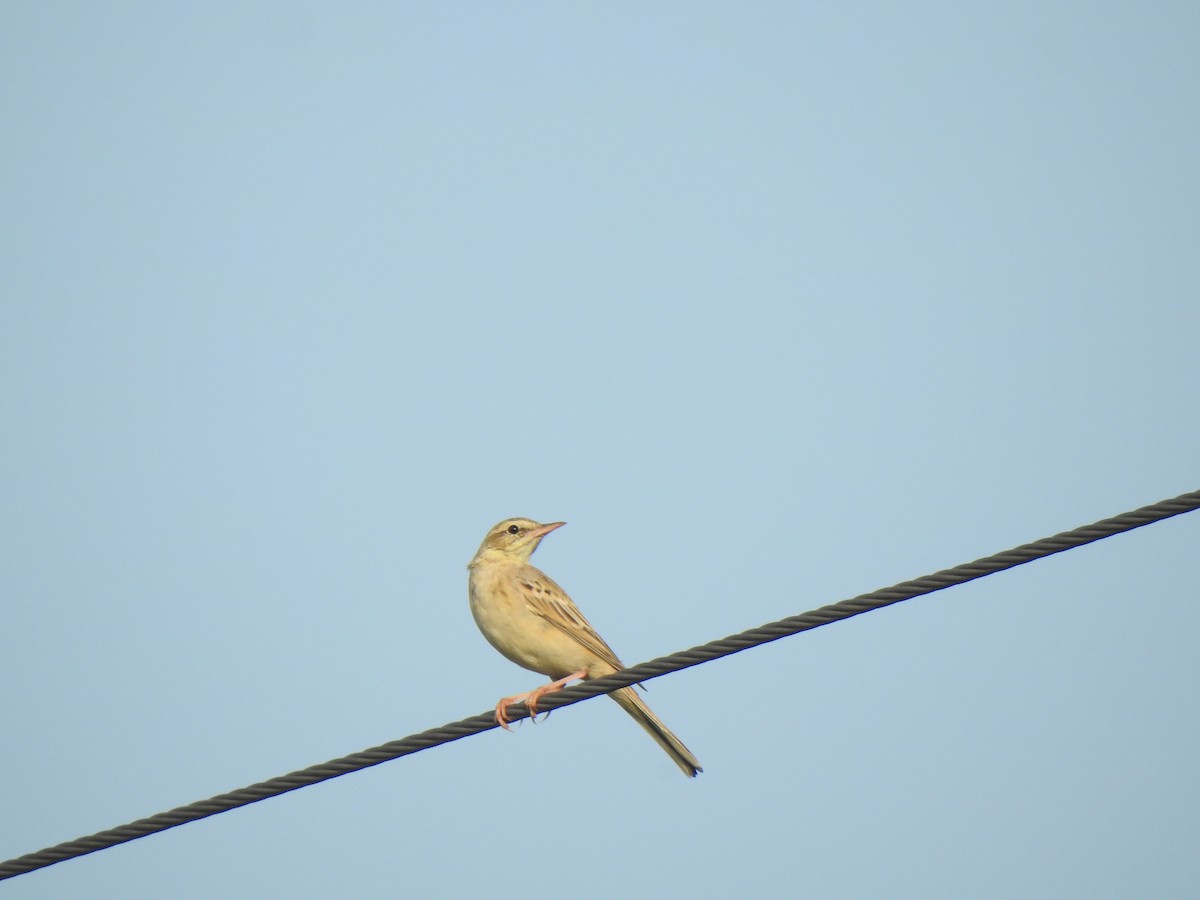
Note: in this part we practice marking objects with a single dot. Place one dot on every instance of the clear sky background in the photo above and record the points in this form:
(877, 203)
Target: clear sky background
(774, 303)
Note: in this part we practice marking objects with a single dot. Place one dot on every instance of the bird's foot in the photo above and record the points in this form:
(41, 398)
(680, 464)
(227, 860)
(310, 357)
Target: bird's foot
(531, 698)
(502, 708)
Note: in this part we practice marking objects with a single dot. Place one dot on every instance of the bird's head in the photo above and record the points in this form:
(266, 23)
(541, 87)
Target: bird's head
(513, 540)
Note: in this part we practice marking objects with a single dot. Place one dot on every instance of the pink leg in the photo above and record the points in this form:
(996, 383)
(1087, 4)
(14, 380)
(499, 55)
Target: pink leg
(531, 698)
(537, 694)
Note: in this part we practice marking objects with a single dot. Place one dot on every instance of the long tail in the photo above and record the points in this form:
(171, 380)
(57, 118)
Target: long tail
(632, 704)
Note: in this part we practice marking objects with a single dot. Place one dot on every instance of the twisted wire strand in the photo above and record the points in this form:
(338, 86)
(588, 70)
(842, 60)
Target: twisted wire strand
(673, 662)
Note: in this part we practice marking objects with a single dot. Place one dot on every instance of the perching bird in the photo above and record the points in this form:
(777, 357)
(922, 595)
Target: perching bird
(532, 621)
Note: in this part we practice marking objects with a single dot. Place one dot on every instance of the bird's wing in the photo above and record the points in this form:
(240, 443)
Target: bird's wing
(551, 602)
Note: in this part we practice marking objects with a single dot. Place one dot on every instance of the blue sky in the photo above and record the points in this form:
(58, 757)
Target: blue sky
(773, 303)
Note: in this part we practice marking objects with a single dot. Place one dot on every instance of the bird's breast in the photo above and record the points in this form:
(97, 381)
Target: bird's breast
(499, 608)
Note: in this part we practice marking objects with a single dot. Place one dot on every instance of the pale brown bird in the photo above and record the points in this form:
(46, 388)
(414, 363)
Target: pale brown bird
(532, 621)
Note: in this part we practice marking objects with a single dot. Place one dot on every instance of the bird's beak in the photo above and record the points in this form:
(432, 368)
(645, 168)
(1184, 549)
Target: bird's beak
(542, 530)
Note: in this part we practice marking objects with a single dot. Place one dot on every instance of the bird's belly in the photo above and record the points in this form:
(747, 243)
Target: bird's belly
(526, 638)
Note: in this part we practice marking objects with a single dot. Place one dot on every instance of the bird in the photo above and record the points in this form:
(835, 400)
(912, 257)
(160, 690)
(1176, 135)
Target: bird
(532, 622)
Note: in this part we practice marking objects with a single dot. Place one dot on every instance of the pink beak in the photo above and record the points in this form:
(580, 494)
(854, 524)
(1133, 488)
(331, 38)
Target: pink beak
(542, 530)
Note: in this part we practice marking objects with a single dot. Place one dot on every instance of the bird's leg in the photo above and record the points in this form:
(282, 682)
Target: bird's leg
(532, 698)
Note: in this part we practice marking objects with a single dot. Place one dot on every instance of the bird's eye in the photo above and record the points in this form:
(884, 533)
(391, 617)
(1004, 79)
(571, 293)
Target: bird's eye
(514, 529)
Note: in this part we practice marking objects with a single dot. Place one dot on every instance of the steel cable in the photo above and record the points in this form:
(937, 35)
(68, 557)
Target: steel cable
(674, 662)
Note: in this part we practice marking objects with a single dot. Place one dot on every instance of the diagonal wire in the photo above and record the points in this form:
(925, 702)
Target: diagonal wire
(674, 662)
